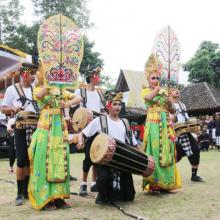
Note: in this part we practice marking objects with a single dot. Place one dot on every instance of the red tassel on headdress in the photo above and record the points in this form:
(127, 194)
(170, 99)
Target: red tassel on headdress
(108, 105)
(25, 74)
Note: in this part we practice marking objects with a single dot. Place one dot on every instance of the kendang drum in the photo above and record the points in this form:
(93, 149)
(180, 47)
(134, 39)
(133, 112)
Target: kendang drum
(82, 117)
(25, 118)
(186, 127)
(114, 153)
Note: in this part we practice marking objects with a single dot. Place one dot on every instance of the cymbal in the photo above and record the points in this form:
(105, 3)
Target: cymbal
(79, 119)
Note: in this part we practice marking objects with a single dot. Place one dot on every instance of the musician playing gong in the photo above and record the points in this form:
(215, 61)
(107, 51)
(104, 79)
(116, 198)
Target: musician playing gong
(186, 144)
(112, 184)
(92, 100)
(159, 135)
(19, 97)
(49, 150)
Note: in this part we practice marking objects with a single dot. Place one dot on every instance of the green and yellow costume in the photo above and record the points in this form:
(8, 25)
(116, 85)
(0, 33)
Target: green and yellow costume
(159, 142)
(49, 153)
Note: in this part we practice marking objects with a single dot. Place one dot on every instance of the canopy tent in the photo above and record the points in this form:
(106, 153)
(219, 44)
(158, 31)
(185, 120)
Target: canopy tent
(10, 61)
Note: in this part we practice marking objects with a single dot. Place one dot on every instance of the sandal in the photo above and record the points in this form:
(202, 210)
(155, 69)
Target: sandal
(49, 207)
(61, 204)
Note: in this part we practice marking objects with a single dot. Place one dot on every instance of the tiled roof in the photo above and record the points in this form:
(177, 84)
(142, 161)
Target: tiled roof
(200, 96)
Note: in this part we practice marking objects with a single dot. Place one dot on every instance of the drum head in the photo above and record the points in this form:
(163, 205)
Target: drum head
(79, 119)
(99, 148)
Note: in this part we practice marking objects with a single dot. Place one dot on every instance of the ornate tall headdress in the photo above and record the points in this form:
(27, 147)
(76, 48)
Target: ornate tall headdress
(153, 65)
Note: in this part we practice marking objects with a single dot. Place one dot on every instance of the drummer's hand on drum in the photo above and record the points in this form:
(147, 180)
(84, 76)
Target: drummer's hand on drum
(90, 116)
(10, 130)
(80, 142)
(15, 110)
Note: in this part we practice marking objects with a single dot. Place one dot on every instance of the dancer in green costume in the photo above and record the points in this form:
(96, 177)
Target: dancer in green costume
(159, 134)
(49, 149)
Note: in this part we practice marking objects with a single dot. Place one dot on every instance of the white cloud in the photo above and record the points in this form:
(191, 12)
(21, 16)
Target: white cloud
(125, 30)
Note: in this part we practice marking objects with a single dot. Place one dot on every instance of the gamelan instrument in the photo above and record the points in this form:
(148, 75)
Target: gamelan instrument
(24, 118)
(114, 153)
(81, 117)
(186, 127)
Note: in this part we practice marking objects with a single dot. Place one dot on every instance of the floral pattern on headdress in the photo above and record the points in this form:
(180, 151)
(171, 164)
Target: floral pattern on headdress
(113, 96)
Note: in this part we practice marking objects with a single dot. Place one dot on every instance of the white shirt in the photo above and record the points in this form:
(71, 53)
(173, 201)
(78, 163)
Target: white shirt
(181, 111)
(94, 102)
(11, 98)
(116, 129)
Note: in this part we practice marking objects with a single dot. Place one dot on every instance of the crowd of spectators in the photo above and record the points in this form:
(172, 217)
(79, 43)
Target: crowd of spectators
(209, 138)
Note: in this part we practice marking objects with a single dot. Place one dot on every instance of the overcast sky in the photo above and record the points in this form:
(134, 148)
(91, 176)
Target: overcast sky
(124, 30)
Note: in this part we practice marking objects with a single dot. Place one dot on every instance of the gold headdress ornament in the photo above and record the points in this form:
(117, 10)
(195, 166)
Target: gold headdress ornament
(113, 95)
(153, 65)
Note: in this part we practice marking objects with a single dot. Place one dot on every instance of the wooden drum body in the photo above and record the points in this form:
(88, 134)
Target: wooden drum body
(25, 118)
(114, 153)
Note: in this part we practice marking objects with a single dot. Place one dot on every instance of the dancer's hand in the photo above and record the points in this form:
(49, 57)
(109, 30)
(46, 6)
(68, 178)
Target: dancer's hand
(65, 104)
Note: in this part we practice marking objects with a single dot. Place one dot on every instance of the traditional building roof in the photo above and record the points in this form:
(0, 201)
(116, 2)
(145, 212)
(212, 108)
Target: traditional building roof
(130, 80)
(201, 98)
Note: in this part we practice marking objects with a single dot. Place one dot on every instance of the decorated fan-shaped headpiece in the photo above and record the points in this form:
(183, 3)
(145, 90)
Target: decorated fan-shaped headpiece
(60, 47)
(153, 65)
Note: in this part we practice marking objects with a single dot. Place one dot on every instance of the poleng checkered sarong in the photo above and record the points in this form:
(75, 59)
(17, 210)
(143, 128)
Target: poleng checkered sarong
(183, 140)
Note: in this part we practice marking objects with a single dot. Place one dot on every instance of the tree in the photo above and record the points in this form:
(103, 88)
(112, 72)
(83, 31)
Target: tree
(20, 36)
(10, 19)
(89, 58)
(74, 9)
(205, 65)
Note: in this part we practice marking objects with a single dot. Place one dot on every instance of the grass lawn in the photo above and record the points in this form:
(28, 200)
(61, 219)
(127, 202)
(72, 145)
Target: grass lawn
(194, 201)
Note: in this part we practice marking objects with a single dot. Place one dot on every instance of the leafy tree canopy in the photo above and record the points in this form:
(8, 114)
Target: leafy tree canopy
(205, 65)
(20, 36)
(10, 19)
(74, 9)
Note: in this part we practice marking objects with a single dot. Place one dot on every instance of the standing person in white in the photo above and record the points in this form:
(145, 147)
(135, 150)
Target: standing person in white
(112, 184)
(186, 144)
(92, 100)
(19, 97)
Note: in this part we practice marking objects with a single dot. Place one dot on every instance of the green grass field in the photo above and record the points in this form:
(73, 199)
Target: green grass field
(194, 201)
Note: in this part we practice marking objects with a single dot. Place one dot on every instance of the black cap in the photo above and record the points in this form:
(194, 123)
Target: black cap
(30, 67)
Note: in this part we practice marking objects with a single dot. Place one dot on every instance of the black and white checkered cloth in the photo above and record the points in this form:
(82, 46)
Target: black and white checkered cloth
(217, 139)
(29, 131)
(183, 139)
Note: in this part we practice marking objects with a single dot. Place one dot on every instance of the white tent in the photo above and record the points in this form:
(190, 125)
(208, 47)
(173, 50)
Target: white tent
(10, 60)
